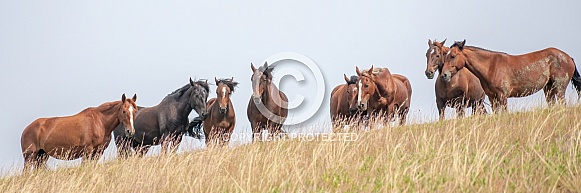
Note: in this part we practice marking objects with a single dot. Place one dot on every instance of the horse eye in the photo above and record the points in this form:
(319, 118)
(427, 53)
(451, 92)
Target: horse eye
(123, 112)
(437, 56)
(366, 85)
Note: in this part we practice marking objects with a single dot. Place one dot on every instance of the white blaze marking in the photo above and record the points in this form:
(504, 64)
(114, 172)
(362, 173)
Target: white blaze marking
(359, 95)
(449, 52)
(223, 91)
(131, 115)
(432, 52)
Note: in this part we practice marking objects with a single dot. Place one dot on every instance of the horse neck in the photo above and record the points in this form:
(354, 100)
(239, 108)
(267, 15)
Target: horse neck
(266, 95)
(443, 51)
(110, 114)
(479, 62)
(384, 82)
(180, 102)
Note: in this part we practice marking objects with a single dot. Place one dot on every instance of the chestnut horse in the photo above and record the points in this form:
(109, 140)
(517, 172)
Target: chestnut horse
(219, 124)
(86, 134)
(382, 92)
(503, 75)
(342, 108)
(462, 91)
(268, 106)
(166, 122)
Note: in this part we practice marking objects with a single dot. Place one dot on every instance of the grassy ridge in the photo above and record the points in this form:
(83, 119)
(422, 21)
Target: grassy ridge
(536, 151)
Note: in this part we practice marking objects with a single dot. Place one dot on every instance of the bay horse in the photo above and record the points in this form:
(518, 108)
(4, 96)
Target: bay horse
(221, 119)
(502, 75)
(462, 91)
(342, 106)
(381, 92)
(268, 106)
(166, 122)
(85, 134)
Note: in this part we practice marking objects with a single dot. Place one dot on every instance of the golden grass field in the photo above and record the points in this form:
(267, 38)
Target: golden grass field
(535, 151)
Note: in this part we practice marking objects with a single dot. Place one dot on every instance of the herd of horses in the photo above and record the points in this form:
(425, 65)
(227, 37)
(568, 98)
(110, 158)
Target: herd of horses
(466, 74)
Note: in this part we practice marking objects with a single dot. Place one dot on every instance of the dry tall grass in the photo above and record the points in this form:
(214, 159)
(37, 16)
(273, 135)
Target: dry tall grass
(537, 151)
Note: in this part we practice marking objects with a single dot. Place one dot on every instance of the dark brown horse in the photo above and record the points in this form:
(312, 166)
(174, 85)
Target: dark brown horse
(381, 92)
(503, 75)
(166, 122)
(268, 106)
(342, 106)
(221, 119)
(86, 134)
(462, 91)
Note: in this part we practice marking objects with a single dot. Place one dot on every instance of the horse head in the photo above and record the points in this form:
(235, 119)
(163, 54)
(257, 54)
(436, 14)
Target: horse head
(261, 79)
(435, 57)
(224, 89)
(454, 61)
(366, 88)
(352, 93)
(126, 114)
(199, 96)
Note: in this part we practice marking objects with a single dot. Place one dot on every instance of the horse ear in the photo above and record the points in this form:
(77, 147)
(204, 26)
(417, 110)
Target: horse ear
(429, 42)
(232, 79)
(192, 82)
(252, 67)
(123, 98)
(265, 65)
(443, 42)
(134, 97)
(357, 71)
(346, 78)
(461, 45)
(370, 70)
(216, 80)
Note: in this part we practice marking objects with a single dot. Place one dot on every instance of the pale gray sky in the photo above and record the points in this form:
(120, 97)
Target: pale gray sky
(60, 57)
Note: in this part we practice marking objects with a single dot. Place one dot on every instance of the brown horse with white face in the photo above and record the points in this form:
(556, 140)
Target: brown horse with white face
(86, 134)
(221, 119)
(382, 92)
(344, 101)
(268, 106)
(503, 75)
(462, 91)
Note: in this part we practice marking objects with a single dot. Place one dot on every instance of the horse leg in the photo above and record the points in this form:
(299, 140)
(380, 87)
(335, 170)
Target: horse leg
(460, 111)
(40, 160)
(403, 115)
(175, 143)
(141, 150)
(441, 108)
(549, 91)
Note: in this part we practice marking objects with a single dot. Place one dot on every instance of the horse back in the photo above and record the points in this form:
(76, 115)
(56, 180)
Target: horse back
(339, 101)
(403, 85)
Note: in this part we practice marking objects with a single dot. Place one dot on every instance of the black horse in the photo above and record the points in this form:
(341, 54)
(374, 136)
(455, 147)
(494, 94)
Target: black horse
(166, 122)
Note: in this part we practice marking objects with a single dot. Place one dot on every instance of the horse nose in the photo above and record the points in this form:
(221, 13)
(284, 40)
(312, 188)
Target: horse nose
(204, 114)
(129, 133)
(429, 74)
(446, 76)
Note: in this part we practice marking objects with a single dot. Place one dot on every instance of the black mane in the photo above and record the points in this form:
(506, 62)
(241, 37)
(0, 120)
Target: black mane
(228, 82)
(184, 88)
(457, 43)
(353, 79)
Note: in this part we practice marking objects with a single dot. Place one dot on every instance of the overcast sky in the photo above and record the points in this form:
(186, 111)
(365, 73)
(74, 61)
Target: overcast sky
(60, 57)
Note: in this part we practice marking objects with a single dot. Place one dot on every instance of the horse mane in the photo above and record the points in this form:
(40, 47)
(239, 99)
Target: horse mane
(457, 44)
(353, 79)
(266, 70)
(184, 88)
(228, 82)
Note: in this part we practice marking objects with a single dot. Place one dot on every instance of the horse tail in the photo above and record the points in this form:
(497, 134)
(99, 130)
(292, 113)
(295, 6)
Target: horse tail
(576, 80)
